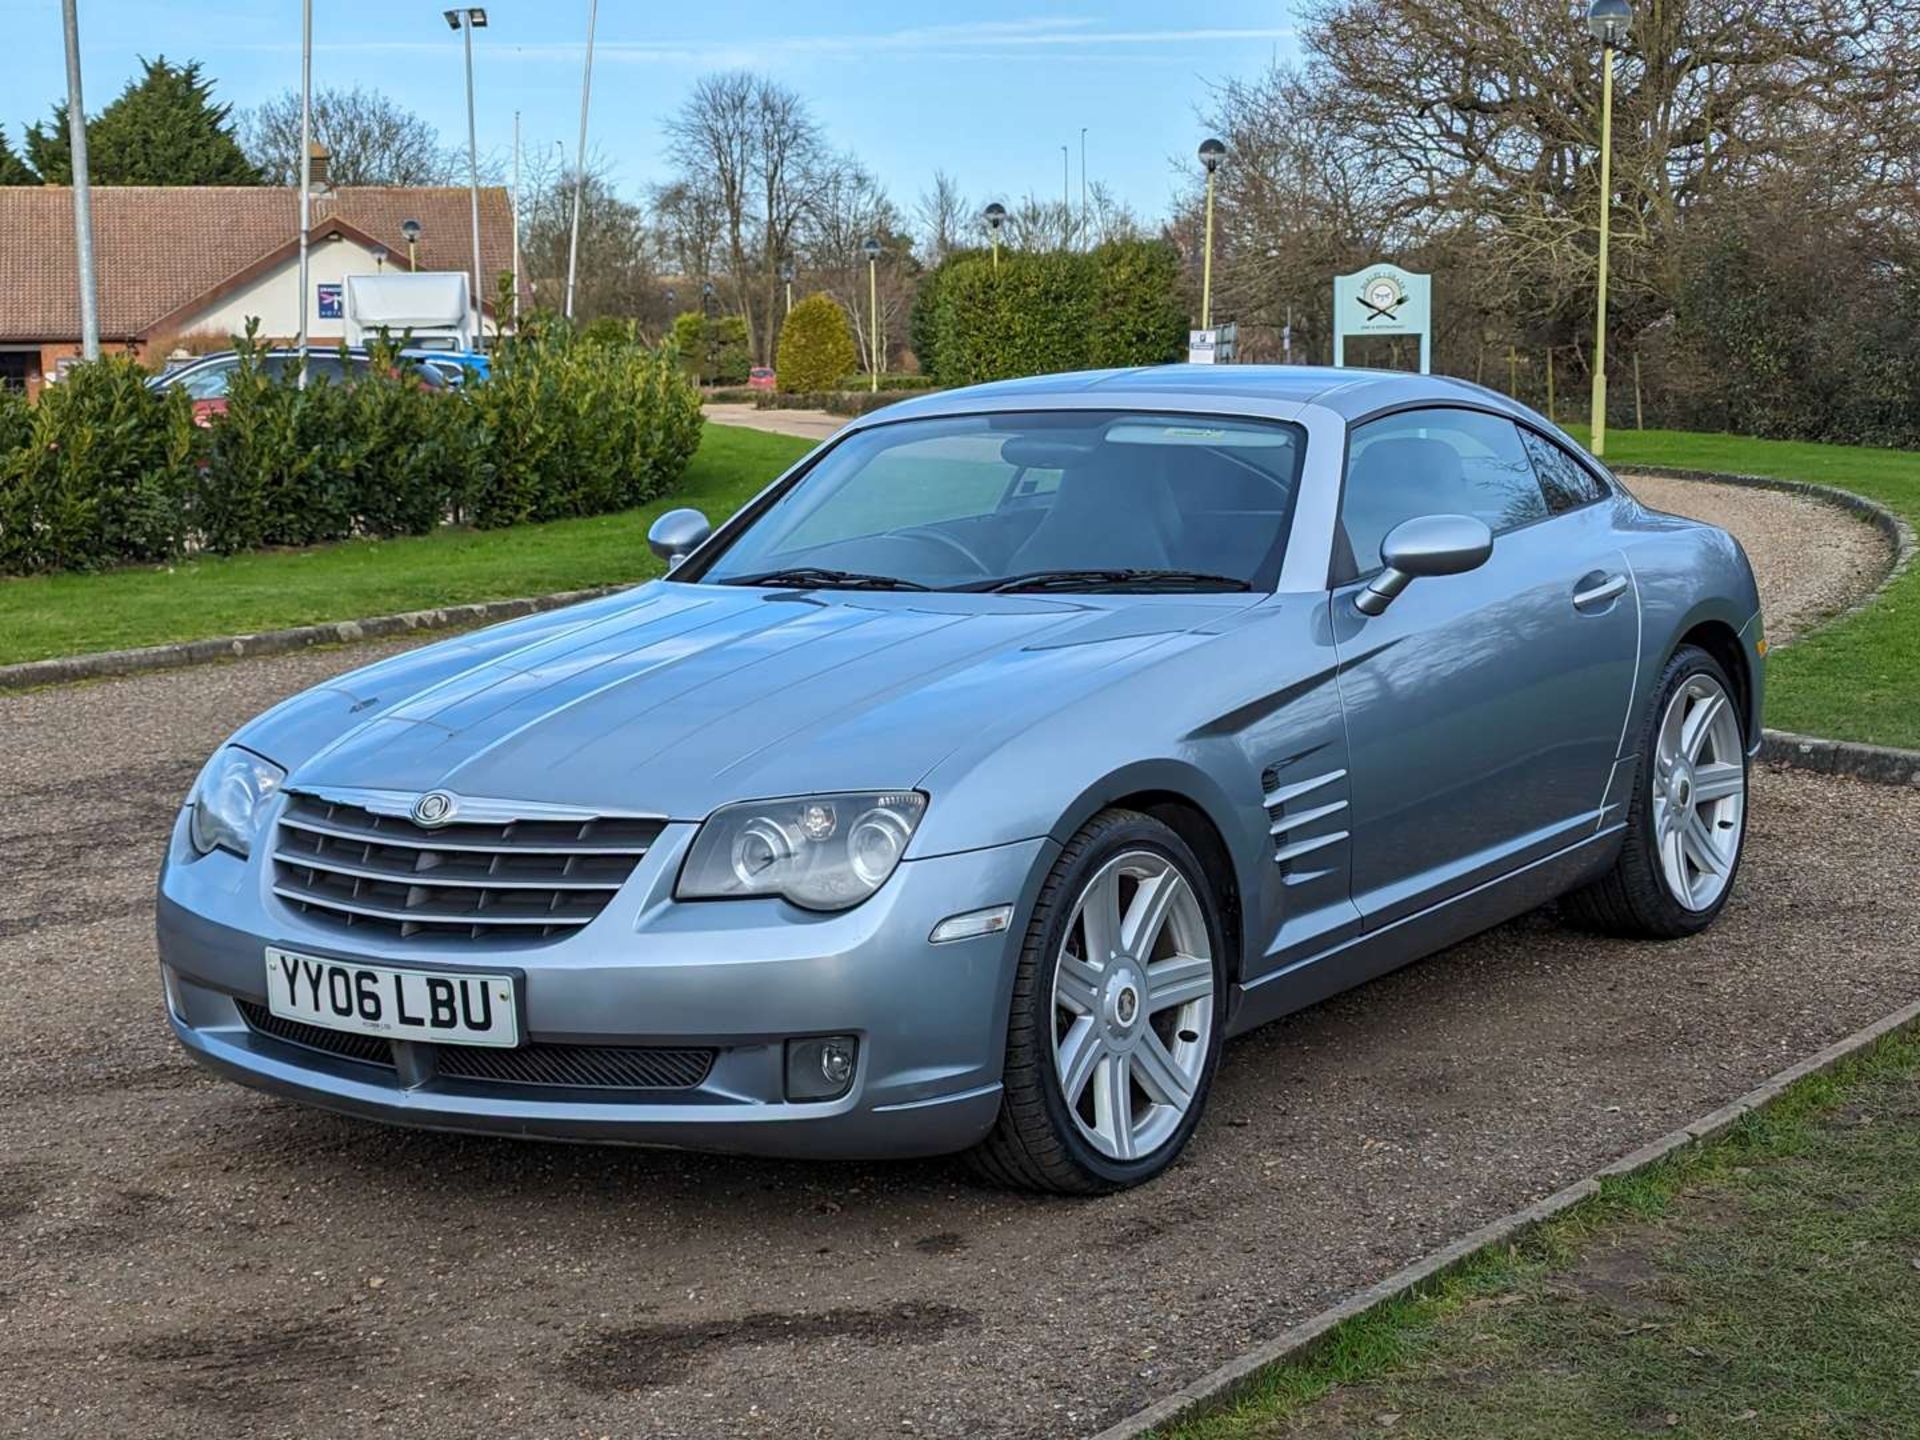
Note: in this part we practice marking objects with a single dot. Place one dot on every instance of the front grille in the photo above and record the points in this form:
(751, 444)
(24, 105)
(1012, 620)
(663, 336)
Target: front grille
(573, 1067)
(526, 880)
(367, 1049)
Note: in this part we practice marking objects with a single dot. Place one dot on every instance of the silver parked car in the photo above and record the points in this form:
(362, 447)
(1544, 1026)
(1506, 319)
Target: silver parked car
(970, 786)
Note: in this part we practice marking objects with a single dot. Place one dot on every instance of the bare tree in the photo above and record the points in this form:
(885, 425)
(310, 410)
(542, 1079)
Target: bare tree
(616, 274)
(946, 220)
(687, 229)
(750, 147)
(373, 140)
(849, 208)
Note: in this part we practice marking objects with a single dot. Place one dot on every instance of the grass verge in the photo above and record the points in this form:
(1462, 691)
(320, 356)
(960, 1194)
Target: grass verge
(1857, 679)
(1766, 1284)
(50, 615)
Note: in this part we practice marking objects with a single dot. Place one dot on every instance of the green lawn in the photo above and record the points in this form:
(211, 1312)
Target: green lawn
(72, 614)
(1765, 1285)
(1855, 680)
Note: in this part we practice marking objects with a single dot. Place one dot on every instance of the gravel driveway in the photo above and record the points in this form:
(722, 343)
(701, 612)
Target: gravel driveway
(181, 1257)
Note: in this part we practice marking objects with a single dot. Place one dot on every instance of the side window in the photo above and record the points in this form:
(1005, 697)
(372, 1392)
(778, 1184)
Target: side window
(209, 382)
(1435, 462)
(1567, 483)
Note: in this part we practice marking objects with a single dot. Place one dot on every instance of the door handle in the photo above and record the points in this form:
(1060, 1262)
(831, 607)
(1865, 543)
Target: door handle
(1598, 590)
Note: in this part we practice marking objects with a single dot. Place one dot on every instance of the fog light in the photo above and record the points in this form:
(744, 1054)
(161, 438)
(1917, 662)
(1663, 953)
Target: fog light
(821, 1068)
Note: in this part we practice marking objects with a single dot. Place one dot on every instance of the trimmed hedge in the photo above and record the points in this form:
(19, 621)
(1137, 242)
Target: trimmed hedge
(1116, 305)
(105, 471)
(98, 473)
(816, 347)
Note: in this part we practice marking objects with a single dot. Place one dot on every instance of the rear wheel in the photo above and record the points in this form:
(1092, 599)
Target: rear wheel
(1687, 822)
(1117, 1013)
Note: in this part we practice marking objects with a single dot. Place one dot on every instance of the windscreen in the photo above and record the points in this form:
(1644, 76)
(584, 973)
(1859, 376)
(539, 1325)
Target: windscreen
(983, 502)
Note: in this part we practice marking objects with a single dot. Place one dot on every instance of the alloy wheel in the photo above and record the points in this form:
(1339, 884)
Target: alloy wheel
(1699, 792)
(1133, 1004)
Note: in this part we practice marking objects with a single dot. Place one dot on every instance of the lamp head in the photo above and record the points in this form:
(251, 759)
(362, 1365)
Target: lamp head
(871, 249)
(996, 215)
(1213, 151)
(410, 229)
(1608, 21)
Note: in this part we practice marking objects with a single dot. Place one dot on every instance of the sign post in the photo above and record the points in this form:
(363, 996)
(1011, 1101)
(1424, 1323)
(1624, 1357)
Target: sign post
(1214, 345)
(1383, 300)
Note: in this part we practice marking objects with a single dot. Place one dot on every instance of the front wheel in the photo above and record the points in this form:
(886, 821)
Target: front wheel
(1118, 1008)
(1687, 822)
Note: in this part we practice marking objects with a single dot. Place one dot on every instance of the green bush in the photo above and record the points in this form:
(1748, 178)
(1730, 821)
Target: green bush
(816, 347)
(714, 351)
(1037, 313)
(574, 427)
(104, 471)
(97, 473)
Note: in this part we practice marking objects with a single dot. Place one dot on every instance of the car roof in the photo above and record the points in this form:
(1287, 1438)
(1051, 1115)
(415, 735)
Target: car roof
(1216, 389)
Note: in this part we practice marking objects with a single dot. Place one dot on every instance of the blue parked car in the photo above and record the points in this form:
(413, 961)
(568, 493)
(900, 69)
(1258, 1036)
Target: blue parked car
(454, 366)
(976, 781)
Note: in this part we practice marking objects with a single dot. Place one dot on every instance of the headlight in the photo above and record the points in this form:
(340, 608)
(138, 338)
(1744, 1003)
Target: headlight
(229, 798)
(825, 852)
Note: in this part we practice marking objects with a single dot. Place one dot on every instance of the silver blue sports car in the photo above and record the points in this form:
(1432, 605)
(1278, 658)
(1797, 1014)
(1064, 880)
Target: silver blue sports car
(974, 783)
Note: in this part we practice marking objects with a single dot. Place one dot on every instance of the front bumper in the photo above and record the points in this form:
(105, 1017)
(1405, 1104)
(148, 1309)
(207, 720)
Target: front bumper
(740, 977)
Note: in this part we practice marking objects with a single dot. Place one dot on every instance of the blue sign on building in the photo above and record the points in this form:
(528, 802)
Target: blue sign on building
(332, 301)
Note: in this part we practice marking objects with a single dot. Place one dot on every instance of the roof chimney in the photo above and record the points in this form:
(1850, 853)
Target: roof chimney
(318, 156)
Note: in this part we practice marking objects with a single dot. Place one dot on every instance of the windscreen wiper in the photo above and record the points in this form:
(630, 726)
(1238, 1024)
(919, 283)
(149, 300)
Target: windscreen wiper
(1123, 579)
(813, 577)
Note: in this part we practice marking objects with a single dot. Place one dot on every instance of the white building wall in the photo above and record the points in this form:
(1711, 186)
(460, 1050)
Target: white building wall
(275, 296)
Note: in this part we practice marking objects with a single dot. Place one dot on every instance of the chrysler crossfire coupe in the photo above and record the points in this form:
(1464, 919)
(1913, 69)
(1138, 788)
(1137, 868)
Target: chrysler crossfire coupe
(969, 787)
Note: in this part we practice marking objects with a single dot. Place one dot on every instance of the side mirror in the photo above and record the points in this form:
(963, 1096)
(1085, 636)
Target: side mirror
(1426, 545)
(677, 534)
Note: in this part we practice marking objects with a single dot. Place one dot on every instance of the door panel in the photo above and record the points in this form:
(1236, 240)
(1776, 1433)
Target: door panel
(1484, 710)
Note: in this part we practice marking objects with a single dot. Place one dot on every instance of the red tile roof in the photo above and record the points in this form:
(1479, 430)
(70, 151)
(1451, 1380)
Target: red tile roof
(157, 249)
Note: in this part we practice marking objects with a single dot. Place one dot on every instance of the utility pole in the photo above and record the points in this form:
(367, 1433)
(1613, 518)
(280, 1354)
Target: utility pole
(1083, 180)
(516, 220)
(82, 189)
(1066, 201)
(580, 157)
(306, 170)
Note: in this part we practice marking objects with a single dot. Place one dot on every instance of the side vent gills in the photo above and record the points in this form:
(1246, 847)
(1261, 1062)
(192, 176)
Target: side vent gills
(1296, 806)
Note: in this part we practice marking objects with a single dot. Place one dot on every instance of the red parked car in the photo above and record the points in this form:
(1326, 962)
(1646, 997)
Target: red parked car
(760, 378)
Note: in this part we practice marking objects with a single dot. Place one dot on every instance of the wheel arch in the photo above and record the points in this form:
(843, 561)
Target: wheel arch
(1722, 641)
(1187, 802)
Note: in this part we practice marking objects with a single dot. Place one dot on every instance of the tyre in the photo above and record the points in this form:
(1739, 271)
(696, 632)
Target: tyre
(1687, 820)
(1118, 1010)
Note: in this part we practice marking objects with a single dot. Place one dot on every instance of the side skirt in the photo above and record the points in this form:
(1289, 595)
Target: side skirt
(1365, 957)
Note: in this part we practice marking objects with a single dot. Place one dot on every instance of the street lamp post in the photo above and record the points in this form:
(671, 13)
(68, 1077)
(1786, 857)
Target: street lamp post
(872, 251)
(1212, 152)
(467, 20)
(786, 278)
(411, 229)
(1608, 22)
(995, 216)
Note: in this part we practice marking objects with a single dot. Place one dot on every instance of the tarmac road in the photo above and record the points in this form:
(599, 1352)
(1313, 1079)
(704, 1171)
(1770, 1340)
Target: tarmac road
(181, 1257)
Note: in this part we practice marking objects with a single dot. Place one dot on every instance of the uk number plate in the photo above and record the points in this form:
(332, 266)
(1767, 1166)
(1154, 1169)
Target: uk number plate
(452, 1007)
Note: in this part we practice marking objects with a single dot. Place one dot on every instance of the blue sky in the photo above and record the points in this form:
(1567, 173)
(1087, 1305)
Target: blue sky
(988, 91)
